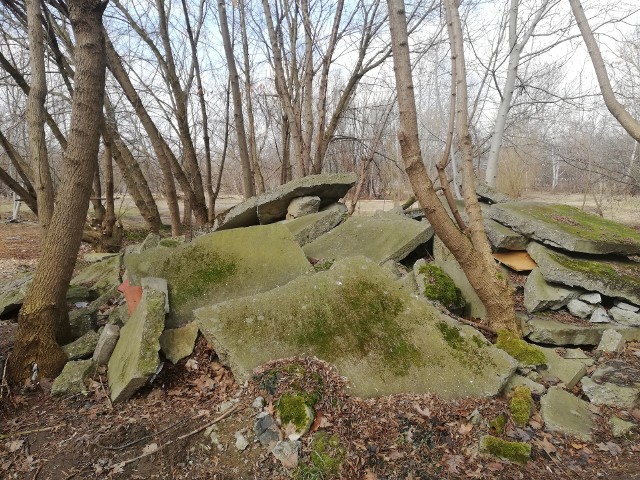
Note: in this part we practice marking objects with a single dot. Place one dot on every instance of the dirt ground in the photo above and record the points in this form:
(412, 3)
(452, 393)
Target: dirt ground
(184, 424)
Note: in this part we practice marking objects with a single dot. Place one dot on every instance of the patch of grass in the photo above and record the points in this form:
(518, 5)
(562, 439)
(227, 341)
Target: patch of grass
(327, 454)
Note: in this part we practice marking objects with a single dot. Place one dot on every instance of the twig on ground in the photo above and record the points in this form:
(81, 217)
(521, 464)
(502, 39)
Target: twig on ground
(3, 382)
(477, 325)
(29, 432)
(133, 442)
(37, 472)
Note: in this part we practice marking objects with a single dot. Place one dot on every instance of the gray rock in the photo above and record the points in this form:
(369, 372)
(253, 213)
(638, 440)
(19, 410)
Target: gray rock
(301, 206)
(159, 284)
(568, 371)
(106, 343)
(83, 347)
(615, 383)
(599, 315)
(577, 354)
(287, 452)
(566, 414)
(241, 441)
(259, 403)
(100, 277)
(267, 431)
(272, 206)
(78, 294)
(579, 309)
(504, 238)
(306, 229)
(12, 294)
(540, 295)
(82, 321)
(178, 343)
(221, 266)
(135, 358)
(599, 275)
(552, 332)
(72, 378)
(119, 315)
(625, 317)
(568, 228)
(620, 427)
(593, 298)
(379, 238)
(520, 381)
(611, 341)
(626, 306)
(98, 257)
(447, 262)
(489, 194)
(405, 350)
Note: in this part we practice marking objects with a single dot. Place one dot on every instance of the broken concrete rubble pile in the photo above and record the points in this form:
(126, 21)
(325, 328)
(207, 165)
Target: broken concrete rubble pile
(288, 273)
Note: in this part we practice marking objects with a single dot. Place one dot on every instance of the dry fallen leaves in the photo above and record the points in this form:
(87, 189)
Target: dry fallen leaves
(613, 448)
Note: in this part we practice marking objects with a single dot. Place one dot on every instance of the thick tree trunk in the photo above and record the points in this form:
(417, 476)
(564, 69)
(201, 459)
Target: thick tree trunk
(475, 260)
(36, 116)
(43, 320)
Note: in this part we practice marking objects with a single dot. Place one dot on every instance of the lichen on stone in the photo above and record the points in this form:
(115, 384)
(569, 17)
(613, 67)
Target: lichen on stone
(521, 405)
(519, 349)
(439, 287)
(516, 452)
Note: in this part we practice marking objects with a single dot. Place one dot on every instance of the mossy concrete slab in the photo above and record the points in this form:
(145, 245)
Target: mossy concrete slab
(309, 227)
(383, 339)
(613, 278)
(178, 343)
(100, 277)
(540, 295)
(135, 357)
(568, 228)
(83, 347)
(568, 370)
(616, 383)
(379, 238)
(564, 413)
(552, 332)
(444, 259)
(221, 266)
(503, 238)
(71, 379)
(12, 294)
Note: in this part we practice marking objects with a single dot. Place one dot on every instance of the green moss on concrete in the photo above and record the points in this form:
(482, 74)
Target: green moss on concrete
(293, 408)
(194, 272)
(361, 316)
(516, 452)
(465, 350)
(520, 405)
(579, 223)
(498, 424)
(323, 264)
(617, 274)
(169, 243)
(519, 349)
(325, 459)
(439, 287)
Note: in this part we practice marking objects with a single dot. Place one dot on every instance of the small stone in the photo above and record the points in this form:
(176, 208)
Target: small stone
(241, 441)
(301, 206)
(259, 403)
(72, 378)
(625, 317)
(106, 344)
(611, 341)
(610, 394)
(627, 306)
(82, 347)
(178, 343)
(599, 315)
(287, 452)
(576, 354)
(579, 309)
(593, 298)
(620, 427)
(267, 431)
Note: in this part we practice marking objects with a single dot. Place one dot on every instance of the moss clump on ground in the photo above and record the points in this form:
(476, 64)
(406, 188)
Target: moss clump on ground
(516, 452)
(327, 454)
(359, 318)
(193, 272)
(582, 224)
(498, 423)
(463, 348)
(521, 405)
(519, 349)
(439, 287)
(293, 409)
(617, 274)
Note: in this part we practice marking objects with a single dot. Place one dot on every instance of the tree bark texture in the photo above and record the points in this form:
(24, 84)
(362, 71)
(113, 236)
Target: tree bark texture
(43, 319)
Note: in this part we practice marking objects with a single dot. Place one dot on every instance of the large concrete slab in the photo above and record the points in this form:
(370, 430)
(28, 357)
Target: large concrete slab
(564, 413)
(100, 277)
(383, 339)
(12, 294)
(221, 266)
(566, 227)
(613, 278)
(135, 357)
(540, 295)
(379, 238)
(552, 332)
(309, 227)
(272, 206)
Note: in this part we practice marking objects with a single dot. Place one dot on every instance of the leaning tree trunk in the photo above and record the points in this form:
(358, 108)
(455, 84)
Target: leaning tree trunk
(470, 251)
(43, 321)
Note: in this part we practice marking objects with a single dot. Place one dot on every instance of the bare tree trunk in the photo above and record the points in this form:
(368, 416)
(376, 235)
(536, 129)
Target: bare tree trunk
(624, 118)
(475, 260)
(36, 116)
(96, 199)
(225, 148)
(43, 321)
(248, 187)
